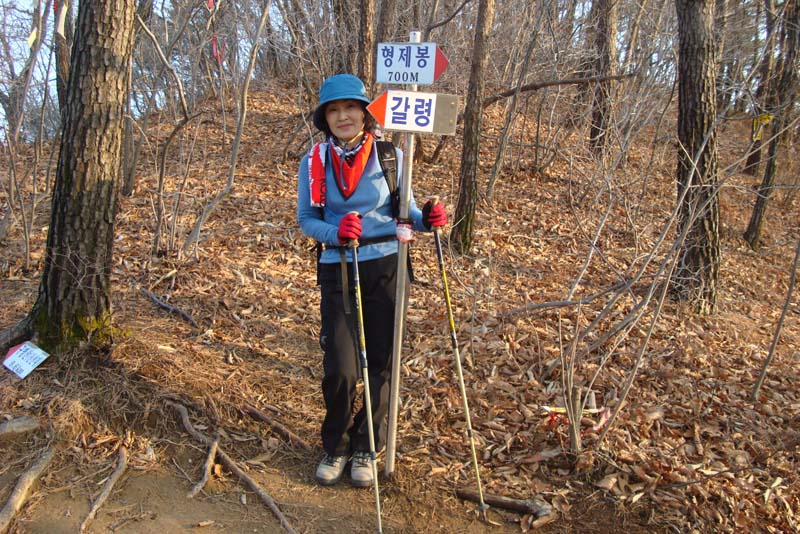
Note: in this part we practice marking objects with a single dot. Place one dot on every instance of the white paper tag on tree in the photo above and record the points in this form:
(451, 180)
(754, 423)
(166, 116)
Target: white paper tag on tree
(24, 358)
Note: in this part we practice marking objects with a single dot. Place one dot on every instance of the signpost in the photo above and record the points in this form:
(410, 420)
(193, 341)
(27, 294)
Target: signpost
(408, 111)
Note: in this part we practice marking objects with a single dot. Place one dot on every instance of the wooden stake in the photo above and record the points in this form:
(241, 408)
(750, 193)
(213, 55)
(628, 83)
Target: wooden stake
(20, 493)
(122, 464)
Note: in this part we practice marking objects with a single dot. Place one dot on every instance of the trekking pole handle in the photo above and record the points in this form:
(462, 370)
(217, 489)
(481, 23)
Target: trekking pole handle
(434, 199)
(353, 243)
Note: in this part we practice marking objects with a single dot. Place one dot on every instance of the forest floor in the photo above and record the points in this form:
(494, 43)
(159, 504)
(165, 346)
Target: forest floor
(688, 452)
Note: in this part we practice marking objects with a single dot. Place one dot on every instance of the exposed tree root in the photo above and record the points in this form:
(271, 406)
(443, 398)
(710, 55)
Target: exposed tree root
(15, 427)
(24, 484)
(107, 487)
(233, 467)
(212, 454)
(18, 333)
(171, 309)
(280, 427)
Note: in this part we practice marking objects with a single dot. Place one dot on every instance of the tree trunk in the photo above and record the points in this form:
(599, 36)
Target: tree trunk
(366, 43)
(385, 20)
(721, 10)
(785, 96)
(697, 272)
(463, 230)
(74, 302)
(63, 36)
(605, 34)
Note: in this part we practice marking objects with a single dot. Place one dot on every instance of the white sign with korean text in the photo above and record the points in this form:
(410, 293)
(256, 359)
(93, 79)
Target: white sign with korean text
(410, 111)
(23, 359)
(409, 63)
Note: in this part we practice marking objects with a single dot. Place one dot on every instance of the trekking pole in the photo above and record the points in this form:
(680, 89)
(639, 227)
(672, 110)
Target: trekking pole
(482, 507)
(362, 345)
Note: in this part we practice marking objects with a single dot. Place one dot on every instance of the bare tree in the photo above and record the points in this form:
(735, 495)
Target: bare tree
(762, 96)
(74, 302)
(463, 230)
(785, 96)
(13, 101)
(63, 34)
(695, 279)
(605, 34)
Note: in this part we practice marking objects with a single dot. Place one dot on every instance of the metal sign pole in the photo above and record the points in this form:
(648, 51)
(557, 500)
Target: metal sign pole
(401, 296)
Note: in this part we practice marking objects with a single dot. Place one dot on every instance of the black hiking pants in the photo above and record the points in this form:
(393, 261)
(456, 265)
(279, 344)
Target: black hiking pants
(342, 432)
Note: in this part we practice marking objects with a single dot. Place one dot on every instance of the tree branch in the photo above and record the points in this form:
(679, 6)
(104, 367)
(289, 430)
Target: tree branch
(448, 19)
(550, 83)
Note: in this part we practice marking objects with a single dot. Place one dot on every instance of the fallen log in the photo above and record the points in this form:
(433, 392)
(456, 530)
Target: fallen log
(20, 493)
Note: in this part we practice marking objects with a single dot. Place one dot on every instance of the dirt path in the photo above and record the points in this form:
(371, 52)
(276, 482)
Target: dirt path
(154, 502)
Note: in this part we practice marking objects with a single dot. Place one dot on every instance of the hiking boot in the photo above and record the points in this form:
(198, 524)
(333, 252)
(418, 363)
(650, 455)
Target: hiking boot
(361, 469)
(330, 469)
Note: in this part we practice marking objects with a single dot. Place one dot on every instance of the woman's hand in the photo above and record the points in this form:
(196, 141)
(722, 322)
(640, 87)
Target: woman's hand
(349, 228)
(433, 214)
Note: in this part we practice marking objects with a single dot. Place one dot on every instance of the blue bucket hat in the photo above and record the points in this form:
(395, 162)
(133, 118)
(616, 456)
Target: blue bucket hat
(338, 87)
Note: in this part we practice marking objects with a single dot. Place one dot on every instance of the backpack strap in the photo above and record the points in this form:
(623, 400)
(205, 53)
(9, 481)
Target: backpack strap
(388, 160)
(387, 157)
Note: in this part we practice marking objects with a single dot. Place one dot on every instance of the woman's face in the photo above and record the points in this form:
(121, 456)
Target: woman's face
(345, 118)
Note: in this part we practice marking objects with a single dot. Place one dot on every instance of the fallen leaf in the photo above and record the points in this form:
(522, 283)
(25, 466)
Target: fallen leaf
(608, 482)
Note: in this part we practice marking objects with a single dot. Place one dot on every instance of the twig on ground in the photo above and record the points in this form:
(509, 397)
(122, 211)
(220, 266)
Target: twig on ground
(122, 464)
(186, 475)
(20, 493)
(74, 482)
(169, 308)
(212, 454)
(170, 274)
(17, 426)
(280, 427)
(562, 303)
(527, 506)
(233, 467)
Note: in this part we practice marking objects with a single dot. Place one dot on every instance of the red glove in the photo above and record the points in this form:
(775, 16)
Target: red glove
(349, 228)
(433, 215)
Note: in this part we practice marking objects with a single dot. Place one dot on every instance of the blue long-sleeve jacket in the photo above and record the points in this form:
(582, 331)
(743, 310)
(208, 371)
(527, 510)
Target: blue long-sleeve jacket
(371, 199)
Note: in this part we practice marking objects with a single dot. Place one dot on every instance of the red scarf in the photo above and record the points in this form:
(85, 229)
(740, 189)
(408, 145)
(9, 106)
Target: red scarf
(348, 171)
(347, 175)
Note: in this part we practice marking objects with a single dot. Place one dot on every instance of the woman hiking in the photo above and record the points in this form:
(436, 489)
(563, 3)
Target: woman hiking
(342, 197)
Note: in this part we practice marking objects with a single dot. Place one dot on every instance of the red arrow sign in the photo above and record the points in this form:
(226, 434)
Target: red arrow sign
(440, 63)
(377, 107)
